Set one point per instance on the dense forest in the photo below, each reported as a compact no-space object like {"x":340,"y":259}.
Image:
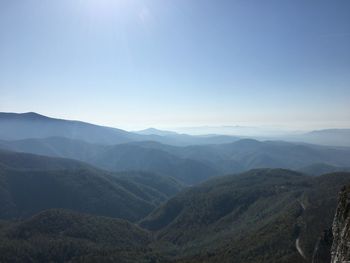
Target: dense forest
{"x":69,"y":200}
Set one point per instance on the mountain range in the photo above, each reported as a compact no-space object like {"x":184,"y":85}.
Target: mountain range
{"x":75,"y":192}
{"x":262,"y":215}
{"x":17,"y":126}
{"x":191,"y":164}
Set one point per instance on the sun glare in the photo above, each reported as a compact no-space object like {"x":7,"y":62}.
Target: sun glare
{"x":106,"y":8}
{"x":122,"y":10}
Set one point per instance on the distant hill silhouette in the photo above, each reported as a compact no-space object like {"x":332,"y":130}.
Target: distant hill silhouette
{"x":14,"y":126}
{"x":190,"y":164}
{"x":120,"y":157}
{"x":153,"y":131}
{"x":247,"y":154}
{"x":17,"y":126}
{"x":332,"y":137}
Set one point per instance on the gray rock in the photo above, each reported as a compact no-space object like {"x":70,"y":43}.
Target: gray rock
{"x":341,"y":229}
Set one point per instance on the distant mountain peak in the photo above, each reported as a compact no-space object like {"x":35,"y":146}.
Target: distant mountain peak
{"x":17,"y":126}
{"x":154,"y":131}
{"x":34,"y":115}
{"x":25,"y":115}
{"x":247,"y":141}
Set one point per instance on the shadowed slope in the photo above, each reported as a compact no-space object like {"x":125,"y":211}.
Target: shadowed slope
{"x":30,"y":183}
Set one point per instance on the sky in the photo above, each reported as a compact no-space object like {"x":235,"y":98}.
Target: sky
{"x":180,"y":63}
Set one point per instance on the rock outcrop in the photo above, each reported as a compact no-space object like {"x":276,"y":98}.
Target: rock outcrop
{"x":341,"y":229}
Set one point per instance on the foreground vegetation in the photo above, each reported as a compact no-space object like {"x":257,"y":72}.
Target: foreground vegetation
{"x":252,"y":217}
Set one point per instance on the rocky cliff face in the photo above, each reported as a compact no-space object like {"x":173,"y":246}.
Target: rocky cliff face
{"x":341,"y":229}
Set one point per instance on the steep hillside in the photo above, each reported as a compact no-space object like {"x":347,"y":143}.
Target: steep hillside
{"x":27,"y":187}
{"x":55,"y":147}
{"x":264,"y":215}
{"x":25,"y":161}
{"x":66,"y":236}
{"x":259,"y":216}
{"x":320,"y":203}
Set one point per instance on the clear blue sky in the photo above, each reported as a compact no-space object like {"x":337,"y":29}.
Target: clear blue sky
{"x":162,"y":63}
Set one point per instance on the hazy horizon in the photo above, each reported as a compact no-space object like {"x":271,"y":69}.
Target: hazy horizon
{"x":244,"y":130}
{"x":165,"y":64}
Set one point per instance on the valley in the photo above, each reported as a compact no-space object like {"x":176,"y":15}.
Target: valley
{"x":144,"y":201}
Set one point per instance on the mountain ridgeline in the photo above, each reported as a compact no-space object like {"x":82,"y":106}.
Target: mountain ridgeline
{"x":30,"y":184}
{"x":17,"y":126}
{"x":145,"y":151}
{"x":191,"y":164}
{"x":76,"y":192}
{"x":32,"y":125}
